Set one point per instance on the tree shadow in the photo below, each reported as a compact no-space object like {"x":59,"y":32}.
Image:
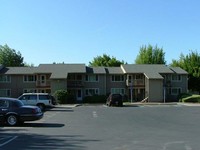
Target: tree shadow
{"x":37,"y":125}
{"x":62,"y":109}
{"x":34,"y":141}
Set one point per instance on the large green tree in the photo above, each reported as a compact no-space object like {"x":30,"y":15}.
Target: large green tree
{"x":105,"y":61}
{"x":9,"y":57}
{"x":190,"y":63}
{"x":150,"y":55}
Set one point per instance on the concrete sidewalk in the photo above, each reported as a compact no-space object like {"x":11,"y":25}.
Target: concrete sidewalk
{"x":67,"y":105}
{"x":161,"y":104}
{"x":135,"y":104}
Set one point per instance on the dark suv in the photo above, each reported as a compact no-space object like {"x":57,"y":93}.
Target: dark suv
{"x":115,"y":100}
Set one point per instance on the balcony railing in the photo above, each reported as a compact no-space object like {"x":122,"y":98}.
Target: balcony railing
{"x":135,"y":82}
{"x":43,"y":83}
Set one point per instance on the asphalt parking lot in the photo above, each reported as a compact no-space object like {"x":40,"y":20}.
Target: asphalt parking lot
{"x":149,"y":127}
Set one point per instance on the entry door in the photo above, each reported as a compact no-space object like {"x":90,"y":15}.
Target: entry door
{"x":79,"y":95}
{"x":42,"y":80}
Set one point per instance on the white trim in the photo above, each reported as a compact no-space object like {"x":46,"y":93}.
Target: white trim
{"x":96,"y":91}
{"x":121,"y":76}
{"x":92,"y":76}
{"x":27,"y":76}
{"x":6,"y":92}
{"x":177,"y":76}
{"x":6,"y":78}
{"x":177,"y":88}
{"x":113,"y":91}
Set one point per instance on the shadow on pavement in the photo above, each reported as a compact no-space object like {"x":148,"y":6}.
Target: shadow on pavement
{"x":37,"y":125}
{"x":34,"y":141}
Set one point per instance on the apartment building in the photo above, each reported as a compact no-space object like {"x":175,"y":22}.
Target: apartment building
{"x":157,"y":83}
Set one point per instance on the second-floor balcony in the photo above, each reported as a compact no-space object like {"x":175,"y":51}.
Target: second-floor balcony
{"x":43,"y":83}
{"x":135,"y":82}
{"x":75,"y":84}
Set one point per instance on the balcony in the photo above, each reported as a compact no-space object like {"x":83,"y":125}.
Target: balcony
{"x":43,"y":83}
{"x":135,"y":83}
{"x":75,"y":84}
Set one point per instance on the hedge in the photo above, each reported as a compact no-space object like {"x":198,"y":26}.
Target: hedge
{"x":63,"y":97}
{"x":95,"y":99}
{"x":192,"y":99}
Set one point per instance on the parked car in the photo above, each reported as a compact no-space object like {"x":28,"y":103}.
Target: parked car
{"x":13,"y":112}
{"x":41,"y":100}
{"x":115,"y":100}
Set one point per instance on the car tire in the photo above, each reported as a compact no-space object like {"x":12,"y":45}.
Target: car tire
{"x":12,"y":120}
{"x":41,"y":106}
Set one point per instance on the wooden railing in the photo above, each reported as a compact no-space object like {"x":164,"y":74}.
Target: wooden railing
{"x":135,"y":82}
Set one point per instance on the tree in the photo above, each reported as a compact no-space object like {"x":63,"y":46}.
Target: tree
{"x":9,"y":57}
{"x":190,"y":63}
{"x":150,"y":55}
{"x":105,"y":61}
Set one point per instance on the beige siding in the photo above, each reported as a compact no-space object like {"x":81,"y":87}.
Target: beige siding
{"x":101,"y":84}
{"x":17,"y":85}
{"x":58,"y":85}
{"x":110,"y":84}
{"x":155,"y":90}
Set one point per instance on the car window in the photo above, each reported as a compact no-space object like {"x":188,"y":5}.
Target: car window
{"x":44,"y":97}
{"x":17,"y":104}
{"x":4,"y":104}
{"x":33,"y":97}
{"x":24,"y":97}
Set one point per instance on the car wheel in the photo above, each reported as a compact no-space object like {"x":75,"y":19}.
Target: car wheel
{"x":41,"y":106}
{"x":12,"y":120}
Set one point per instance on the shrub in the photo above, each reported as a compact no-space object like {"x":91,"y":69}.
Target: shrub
{"x":61,"y":96}
{"x":192,"y":99}
{"x":183,"y":95}
{"x":95,"y":99}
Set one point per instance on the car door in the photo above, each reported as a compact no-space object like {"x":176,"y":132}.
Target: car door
{"x":4,"y":106}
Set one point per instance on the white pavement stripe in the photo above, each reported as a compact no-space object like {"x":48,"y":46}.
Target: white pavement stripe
{"x":8,"y":141}
{"x":94,"y":114}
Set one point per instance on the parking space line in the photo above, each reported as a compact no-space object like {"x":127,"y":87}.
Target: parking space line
{"x":10,"y":139}
{"x":94,"y":114}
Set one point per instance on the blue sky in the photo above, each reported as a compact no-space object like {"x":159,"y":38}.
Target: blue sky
{"x":76,"y":31}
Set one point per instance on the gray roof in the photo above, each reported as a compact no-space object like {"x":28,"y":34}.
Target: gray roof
{"x":18,"y":70}
{"x":114,"y":70}
{"x":96,"y":70}
{"x":60,"y":71}
{"x":178,"y":70}
{"x":152,"y":71}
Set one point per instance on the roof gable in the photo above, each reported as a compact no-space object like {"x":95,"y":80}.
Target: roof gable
{"x":96,"y":70}
{"x":152,"y":71}
{"x":178,"y":70}
{"x":60,"y":71}
{"x":114,"y":70}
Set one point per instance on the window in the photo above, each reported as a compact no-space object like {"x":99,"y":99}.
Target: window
{"x":117,"y":78}
{"x":29,"y":78}
{"x":4,"y":104}
{"x":44,"y":97}
{"x":139,"y":76}
{"x":92,"y":78}
{"x":176,"y":77}
{"x":32,"y":97}
{"x":4,"y":78}
{"x":176,"y":91}
{"x":79,"y":77}
{"x":118,"y":91}
{"x":5,"y":93}
{"x":91,"y":92}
